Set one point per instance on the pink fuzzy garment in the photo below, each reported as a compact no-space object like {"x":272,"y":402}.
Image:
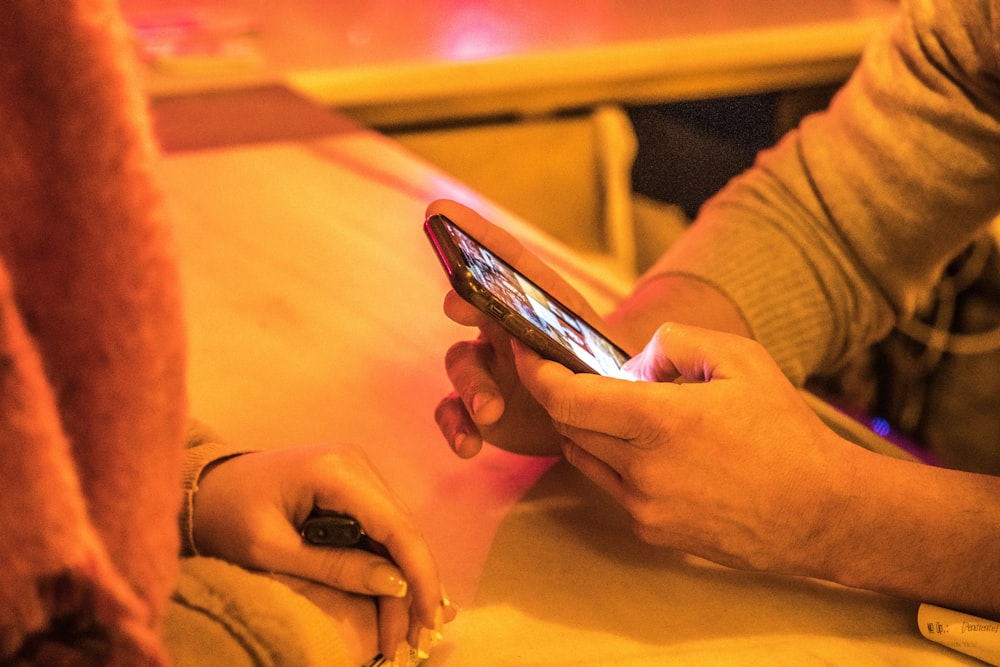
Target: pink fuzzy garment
{"x":92,"y":408}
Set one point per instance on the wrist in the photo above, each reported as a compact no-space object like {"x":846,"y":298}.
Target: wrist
{"x":910,"y":530}
{"x":664,"y":297}
{"x":841,"y":495}
{"x":199,"y":460}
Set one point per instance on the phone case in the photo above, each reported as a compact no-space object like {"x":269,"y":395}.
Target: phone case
{"x":464,"y":282}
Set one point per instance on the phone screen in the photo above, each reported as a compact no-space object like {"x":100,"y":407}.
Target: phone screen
{"x":522,"y":307}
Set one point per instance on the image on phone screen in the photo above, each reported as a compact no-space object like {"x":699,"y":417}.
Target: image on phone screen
{"x":521,"y":306}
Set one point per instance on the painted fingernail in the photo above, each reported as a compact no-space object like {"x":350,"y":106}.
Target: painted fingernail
{"x":426,"y":641}
{"x":384,"y":579}
{"x":402,"y":656}
{"x":406,"y":656}
{"x":438,"y":623}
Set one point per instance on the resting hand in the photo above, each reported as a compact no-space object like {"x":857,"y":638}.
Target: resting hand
{"x":729,"y":465}
{"x":489,"y":402}
{"x":247,"y":510}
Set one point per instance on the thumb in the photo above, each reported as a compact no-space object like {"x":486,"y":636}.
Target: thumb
{"x":678,"y":352}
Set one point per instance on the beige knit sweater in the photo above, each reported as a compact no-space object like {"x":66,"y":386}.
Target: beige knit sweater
{"x":840,"y":230}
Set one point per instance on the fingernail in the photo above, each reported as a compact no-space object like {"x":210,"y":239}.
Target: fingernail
{"x":448,"y":606}
{"x":632,"y":369}
{"x":428,"y":638}
{"x":402,"y":656}
{"x":479,"y":400}
{"x":437,"y":631}
{"x":458,"y":439}
{"x":426,"y":641}
{"x":406,"y":656}
{"x":384,"y":579}
{"x":452,"y":607}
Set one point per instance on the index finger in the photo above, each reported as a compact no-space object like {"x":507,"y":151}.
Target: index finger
{"x":387,"y":521}
{"x":586,"y":401}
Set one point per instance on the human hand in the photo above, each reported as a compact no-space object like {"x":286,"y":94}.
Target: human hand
{"x":489,"y":402}
{"x":729,"y":464}
{"x":247,"y":510}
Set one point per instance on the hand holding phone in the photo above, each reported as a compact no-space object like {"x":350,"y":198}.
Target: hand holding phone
{"x":521,"y":307}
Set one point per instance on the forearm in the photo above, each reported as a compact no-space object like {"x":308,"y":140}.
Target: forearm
{"x":910,"y":530}
{"x":673,"y":298}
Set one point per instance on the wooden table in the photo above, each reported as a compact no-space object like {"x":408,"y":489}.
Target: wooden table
{"x":391,"y":62}
{"x":314,"y":310}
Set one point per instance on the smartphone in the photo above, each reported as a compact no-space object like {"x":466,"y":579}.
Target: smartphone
{"x":522,"y":308}
{"x":325,"y":528}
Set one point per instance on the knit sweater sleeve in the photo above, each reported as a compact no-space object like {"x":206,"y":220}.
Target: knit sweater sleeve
{"x":204,"y":448}
{"x":838,"y":231}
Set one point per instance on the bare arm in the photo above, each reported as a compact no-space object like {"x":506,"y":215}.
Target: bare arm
{"x":919,"y":532}
{"x":673,"y":298}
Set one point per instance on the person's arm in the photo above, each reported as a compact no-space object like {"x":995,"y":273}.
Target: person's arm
{"x":837,"y":232}
{"x":245,"y":507}
{"x":916,"y":531}
{"x":673,"y":297}
{"x":821,"y":247}
{"x":734,"y":466}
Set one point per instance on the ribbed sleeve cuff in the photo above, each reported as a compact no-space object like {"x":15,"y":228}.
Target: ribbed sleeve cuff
{"x":204,"y":449}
